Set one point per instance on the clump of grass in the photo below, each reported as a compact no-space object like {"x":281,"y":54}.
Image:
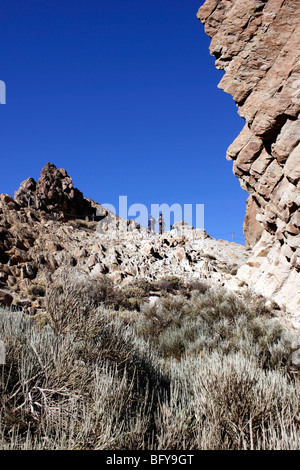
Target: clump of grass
{"x":198,"y":286}
{"x":209,"y":256}
{"x":169,"y":284}
{"x":36,"y":290}
{"x":83,"y":224}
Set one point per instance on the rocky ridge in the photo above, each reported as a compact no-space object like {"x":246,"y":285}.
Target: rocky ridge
{"x":256,"y":44}
{"x":54,"y":193}
{"x":38,"y":244}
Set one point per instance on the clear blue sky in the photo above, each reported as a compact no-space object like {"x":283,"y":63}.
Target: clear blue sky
{"x":123,"y":95}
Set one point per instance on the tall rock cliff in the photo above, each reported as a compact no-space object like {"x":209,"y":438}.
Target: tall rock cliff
{"x":257,"y":44}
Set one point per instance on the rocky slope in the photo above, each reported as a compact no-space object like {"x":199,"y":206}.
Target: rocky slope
{"x":39,"y":243}
{"x":256,"y":43}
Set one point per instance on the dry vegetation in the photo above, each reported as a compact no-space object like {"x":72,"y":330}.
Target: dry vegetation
{"x":196,"y":369}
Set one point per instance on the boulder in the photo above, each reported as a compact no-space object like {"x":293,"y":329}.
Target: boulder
{"x":295,"y":359}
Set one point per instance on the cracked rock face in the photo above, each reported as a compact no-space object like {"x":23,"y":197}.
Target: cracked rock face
{"x":256,"y":43}
{"x":53,"y":193}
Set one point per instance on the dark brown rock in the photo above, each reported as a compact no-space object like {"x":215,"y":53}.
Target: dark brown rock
{"x":54,"y":193}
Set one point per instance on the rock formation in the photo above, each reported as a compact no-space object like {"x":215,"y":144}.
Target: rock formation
{"x":38,"y":244}
{"x":54,"y":193}
{"x":256,"y":43}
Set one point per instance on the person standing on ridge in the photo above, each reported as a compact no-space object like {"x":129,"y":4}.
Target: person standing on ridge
{"x":161,"y":223}
{"x":151,"y":224}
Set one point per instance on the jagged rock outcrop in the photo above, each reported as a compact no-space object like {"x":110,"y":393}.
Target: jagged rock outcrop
{"x":257,"y":44}
{"x":54,"y":193}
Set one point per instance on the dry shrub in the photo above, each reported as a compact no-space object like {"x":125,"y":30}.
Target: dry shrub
{"x":203,"y":372}
{"x":169,"y":284}
{"x":198,"y":286}
{"x":239,"y":401}
{"x":175,"y":420}
{"x":215,"y":320}
{"x":220,"y":402}
{"x":36,"y":290}
{"x":53,"y":398}
{"x":83,"y":224}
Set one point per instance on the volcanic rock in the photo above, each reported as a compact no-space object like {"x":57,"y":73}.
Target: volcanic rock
{"x":54,"y":193}
{"x":256,"y":44}
{"x":40,"y":243}
{"x":37,"y":248}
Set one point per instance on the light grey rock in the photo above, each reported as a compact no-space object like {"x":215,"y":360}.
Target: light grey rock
{"x":295,"y":359}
